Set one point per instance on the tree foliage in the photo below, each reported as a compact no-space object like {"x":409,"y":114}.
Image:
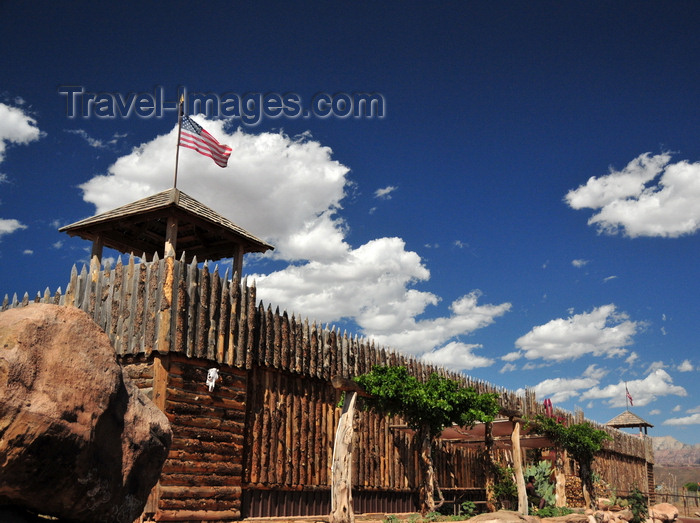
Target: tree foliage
{"x":581,"y":440}
{"x":437,"y":403}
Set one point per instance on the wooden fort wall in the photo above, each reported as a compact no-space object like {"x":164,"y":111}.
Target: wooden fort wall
{"x":261,"y":443}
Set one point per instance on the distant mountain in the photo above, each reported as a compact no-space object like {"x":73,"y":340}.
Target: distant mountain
{"x":669,"y":451}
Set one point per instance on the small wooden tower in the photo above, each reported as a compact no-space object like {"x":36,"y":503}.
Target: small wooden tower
{"x":629,"y":419}
{"x":167,"y":223}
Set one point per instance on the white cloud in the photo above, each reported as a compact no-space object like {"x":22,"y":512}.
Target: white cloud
{"x":694,"y":410}
{"x":608,"y":278}
{"x":457,"y":356}
{"x":288,"y":191}
{"x":28,"y":252}
{"x":17,"y":127}
{"x":561,"y":389}
{"x":299,"y":183}
{"x":579,"y":263}
{"x":508,"y":367}
{"x":693,"y":419}
{"x":654,"y":412}
{"x":686,"y":366}
{"x":654,"y":366}
{"x":8,"y":226}
{"x":385,"y":193}
{"x":649,"y":197}
{"x":601,"y":332}
{"x":593,"y":371}
{"x":677,"y":408}
{"x":94,"y":142}
{"x":643,"y":392}
{"x":633,"y":357}
{"x":512,"y":356}
{"x":416,"y":336}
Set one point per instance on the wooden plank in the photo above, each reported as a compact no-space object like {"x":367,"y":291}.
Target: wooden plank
{"x":222,"y":340}
{"x":191,"y":492}
{"x":202,"y":318}
{"x":214,"y":312}
{"x":265,"y":435}
{"x":251,"y":325}
{"x":234,"y":309}
{"x":151,"y":299}
{"x":289,"y":429}
{"x":281,"y":415}
{"x":297,"y":430}
{"x":241,"y":343}
{"x":165,"y":307}
{"x":285,"y":342}
{"x":200,"y":515}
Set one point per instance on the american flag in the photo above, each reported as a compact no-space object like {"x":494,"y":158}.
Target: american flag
{"x":629,"y":396}
{"x":193,"y":136}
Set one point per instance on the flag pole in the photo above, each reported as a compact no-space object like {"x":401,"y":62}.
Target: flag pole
{"x":179,"y":132}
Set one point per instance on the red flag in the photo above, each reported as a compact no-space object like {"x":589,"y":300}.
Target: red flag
{"x":629,"y":396}
{"x":193,"y":136}
{"x":549,"y":411}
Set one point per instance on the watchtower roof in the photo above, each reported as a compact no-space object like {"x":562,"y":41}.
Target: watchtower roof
{"x":627,"y":420}
{"x":140,"y":227}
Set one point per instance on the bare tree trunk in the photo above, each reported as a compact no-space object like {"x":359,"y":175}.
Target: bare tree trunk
{"x":518,"y":469}
{"x":427,"y":497}
{"x":586,"y":483}
{"x":489,"y":468}
{"x":341,"y":490}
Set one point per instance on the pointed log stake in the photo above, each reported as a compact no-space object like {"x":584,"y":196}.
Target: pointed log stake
{"x":341,"y":490}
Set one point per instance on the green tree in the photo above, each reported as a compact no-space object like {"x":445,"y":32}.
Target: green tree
{"x":692,"y":486}
{"x":427,"y":407}
{"x":580,"y":440}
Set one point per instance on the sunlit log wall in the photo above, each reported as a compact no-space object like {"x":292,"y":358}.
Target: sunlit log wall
{"x":261,"y":443}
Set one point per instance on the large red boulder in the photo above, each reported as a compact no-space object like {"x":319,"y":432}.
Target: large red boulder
{"x":78,"y":440}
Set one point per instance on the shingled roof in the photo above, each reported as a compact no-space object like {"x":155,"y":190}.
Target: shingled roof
{"x":140,"y":227}
{"x":628,"y":419}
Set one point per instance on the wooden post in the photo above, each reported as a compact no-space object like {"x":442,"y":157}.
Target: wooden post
{"x":518,"y":468}
{"x":238,"y":262}
{"x":170,"y":237}
{"x":97,"y":246}
{"x":341,"y":489}
{"x":161,"y":365}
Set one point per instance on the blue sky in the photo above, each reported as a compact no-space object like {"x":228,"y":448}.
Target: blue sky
{"x":525,"y":209}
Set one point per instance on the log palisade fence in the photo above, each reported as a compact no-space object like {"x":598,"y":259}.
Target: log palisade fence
{"x":260,"y":444}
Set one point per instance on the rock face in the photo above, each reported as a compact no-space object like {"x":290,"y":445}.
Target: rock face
{"x":78,"y":440}
{"x":670,"y":451}
{"x":663,"y":512}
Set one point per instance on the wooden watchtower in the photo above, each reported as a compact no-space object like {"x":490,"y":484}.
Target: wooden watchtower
{"x":168,"y":333}
{"x":629,"y":419}
{"x":168,"y":223}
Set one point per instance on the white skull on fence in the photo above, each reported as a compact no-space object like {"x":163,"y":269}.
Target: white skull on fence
{"x":212,"y":376}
